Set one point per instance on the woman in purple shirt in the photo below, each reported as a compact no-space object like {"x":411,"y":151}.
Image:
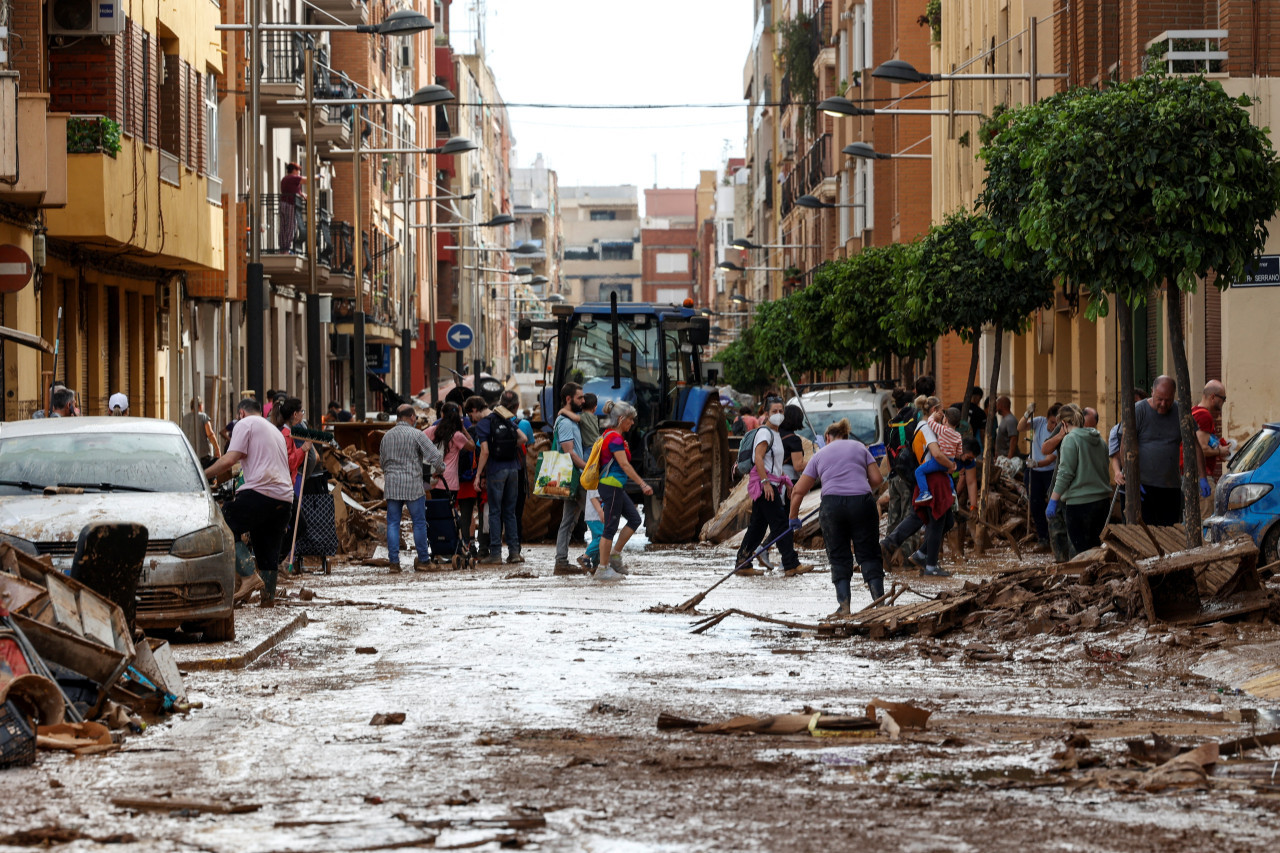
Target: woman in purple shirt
{"x":848,"y":474}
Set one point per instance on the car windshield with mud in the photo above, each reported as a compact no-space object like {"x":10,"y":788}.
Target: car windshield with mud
{"x":60,"y":474}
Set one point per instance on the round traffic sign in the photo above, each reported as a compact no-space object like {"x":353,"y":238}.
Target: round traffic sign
{"x":15,"y":268}
{"x":460,"y":336}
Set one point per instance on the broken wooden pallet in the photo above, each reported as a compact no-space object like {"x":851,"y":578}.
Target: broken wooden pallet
{"x":1171,"y":583}
{"x":925,"y":618}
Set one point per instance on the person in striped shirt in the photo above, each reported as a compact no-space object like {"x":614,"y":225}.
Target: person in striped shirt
{"x":403,"y":452}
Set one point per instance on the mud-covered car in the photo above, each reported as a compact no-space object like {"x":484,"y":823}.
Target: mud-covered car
{"x":131,"y":470}
{"x":1246,"y":500}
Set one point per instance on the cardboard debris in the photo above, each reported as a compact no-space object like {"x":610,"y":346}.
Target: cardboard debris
{"x":814,"y":723}
{"x":902,"y":714}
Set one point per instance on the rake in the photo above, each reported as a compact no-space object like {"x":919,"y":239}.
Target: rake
{"x":697,"y":599}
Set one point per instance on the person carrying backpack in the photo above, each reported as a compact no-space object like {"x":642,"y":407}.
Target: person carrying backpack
{"x":499,"y":469}
{"x":768,"y":487}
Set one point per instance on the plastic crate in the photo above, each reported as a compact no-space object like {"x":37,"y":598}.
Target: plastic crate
{"x":17,"y":738}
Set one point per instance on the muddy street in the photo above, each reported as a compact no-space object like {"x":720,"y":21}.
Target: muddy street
{"x":530,"y":705}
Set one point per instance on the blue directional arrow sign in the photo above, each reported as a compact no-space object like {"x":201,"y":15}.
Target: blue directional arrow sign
{"x":460,"y":336}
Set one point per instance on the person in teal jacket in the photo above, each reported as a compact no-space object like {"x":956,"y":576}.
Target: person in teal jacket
{"x":1082,"y":485}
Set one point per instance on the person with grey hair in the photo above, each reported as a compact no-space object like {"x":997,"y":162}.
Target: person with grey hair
{"x":1160,"y":455}
{"x":405,"y":453}
{"x":615,"y":472}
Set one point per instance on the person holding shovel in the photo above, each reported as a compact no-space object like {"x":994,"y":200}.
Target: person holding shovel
{"x":849,"y":475}
{"x":614,"y":475}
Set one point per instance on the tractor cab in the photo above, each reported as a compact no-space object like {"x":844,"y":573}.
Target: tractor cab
{"x":649,"y":356}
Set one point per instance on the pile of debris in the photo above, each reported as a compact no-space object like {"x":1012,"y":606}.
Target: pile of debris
{"x":74,"y":674}
{"x":1138,"y":573}
{"x":358,"y":499}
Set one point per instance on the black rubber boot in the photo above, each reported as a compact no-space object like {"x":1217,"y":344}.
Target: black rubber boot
{"x":876,"y":588}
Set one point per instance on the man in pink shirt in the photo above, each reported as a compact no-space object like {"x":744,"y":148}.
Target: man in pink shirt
{"x":264,"y":504}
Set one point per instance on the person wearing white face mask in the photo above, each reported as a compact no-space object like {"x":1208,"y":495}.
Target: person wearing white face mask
{"x":768,"y":486}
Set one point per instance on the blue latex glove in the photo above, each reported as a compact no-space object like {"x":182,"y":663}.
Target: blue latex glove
{"x":1205,"y":490}
{"x":795,"y":524}
{"x":1051,"y":510}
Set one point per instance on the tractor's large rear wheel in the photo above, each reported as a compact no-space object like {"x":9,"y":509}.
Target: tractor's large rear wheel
{"x":673,"y":516}
{"x":541,"y":517}
{"x":713,"y":436}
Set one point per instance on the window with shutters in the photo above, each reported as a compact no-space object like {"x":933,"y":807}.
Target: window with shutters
{"x":211,"y":125}
{"x":671,"y":262}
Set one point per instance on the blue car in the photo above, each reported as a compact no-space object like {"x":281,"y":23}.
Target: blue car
{"x":1246,"y":501}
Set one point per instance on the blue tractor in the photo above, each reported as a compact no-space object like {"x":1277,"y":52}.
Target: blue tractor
{"x":649,"y":356}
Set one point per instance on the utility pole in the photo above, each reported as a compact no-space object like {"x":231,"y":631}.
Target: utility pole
{"x":315,"y":357}
{"x":255,"y":296}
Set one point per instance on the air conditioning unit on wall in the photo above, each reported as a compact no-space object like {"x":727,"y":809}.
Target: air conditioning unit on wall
{"x":85,"y":17}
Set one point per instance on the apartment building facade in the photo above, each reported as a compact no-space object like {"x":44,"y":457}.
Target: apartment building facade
{"x":602,"y":243}
{"x":115,"y":194}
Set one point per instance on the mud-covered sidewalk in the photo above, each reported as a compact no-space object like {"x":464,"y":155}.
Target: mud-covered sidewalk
{"x":531,"y":703}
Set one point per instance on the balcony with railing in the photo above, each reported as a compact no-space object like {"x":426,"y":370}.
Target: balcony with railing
{"x":338,"y":254}
{"x":810,"y":171}
{"x":282,"y":233}
{"x":282,"y":67}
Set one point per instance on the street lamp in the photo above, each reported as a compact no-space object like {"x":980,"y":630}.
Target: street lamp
{"x":814,"y":203}
{"x":501,"y":220}
{"x":403,"y":22}
{"x":864,"y":151}
{"x":745,"y":244}
{"x":730,"y":265}
{"x":837,"y":107}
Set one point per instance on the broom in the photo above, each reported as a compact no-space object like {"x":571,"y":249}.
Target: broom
{"x":315,"y":436}
{"x":697,"y":599}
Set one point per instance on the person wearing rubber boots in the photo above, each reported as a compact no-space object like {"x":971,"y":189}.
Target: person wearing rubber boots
{"x":263,"y":505}
{"x":849,"y":475}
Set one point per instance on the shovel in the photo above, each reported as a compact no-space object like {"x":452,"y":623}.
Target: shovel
{"x":697,"y":599}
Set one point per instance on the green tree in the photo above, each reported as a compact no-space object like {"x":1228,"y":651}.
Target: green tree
{"x":860,"y":300}
{"x":741,"y":368}
{"x":1156,"y":180}
{"x":956,"y":286}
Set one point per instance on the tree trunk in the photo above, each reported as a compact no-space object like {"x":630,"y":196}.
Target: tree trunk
{"x":989,"y":456}
{"x":1133,"y":486}
{"x":973,"y":376}
{"x":1190,"y":467}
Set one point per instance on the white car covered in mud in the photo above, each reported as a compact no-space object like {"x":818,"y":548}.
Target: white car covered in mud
{"x":130,"y":470}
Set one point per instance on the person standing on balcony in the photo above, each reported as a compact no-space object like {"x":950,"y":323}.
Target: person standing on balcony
{"x":290,"y":192}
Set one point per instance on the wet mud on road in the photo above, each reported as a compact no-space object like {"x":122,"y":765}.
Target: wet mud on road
{"x":530,"y":708}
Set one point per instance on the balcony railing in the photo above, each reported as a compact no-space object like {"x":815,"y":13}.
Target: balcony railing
{"x":283,"y":229}
{"x":341,"y":249}
{"x":820,"y":35}
{"x":283,"y":58}
{"x":813,"y":168}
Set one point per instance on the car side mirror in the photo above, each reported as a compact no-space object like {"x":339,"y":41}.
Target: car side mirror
{"x":524,"y":329}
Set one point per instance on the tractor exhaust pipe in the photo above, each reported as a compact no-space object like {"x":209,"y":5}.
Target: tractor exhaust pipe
{"x":617,"y":345}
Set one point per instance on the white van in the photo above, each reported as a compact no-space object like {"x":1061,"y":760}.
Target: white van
{"x":869,"y":413}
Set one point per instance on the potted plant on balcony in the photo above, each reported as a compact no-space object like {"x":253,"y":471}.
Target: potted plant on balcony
{"x":791,"y":276}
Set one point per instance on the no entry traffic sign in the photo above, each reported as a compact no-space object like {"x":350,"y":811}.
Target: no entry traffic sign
{"x":15,"y":268}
